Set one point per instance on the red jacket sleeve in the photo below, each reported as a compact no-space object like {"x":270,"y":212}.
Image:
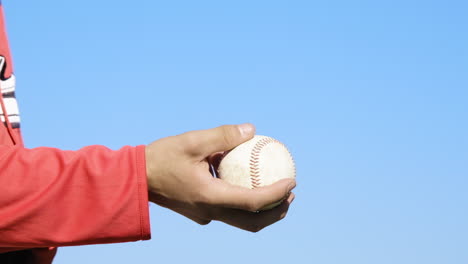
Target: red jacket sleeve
{"x":50,"y":197}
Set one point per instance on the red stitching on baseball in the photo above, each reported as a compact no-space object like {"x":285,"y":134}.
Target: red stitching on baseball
{"x":255,"y":160}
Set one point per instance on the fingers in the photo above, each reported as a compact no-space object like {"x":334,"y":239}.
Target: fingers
{"x":203,"y":143}
{"x":226,"y":195}
{"x":255,"y":222}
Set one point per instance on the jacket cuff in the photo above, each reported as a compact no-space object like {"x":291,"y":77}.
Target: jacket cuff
{"x":143,"y":193}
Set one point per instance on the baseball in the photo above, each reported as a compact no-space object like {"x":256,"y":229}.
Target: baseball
{"x":258,"y":162}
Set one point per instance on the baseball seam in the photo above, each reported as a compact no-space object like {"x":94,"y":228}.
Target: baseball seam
{"x":255,"y":178}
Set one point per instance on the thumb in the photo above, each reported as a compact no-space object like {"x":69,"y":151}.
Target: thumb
{"x":206,"y":142}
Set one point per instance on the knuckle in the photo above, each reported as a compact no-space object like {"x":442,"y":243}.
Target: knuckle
{"x":255,"y":228}
{"x":210,"y":214}
{"x":204,"y":222}
{"x":207,"y":209}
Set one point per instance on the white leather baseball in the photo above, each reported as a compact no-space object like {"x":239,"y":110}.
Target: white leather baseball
{"x":258,"y":162}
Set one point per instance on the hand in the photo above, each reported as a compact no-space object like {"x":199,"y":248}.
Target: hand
{"x":179,"y":178}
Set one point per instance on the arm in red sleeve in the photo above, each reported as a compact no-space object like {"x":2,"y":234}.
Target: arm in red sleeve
{"x":50,"y":197}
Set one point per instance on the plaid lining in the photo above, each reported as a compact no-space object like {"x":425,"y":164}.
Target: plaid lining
{"x":9,"y":99}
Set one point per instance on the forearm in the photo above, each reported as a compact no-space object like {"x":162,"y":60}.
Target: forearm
{"x":50,"y":197}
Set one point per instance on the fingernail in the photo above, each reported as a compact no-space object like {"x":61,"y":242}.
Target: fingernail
{"x":246,"y":129}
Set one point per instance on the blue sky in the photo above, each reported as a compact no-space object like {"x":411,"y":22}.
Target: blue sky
{"x":370,"y":97}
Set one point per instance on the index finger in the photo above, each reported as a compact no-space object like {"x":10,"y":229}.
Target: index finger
{"x":254,"y":222}
{"x":227,"y":195}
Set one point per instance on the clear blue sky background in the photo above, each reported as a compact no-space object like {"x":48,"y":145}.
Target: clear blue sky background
{"x":370,"y":96}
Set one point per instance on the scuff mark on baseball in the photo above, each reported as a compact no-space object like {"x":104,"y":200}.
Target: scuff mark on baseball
{"x":258,"y":162}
